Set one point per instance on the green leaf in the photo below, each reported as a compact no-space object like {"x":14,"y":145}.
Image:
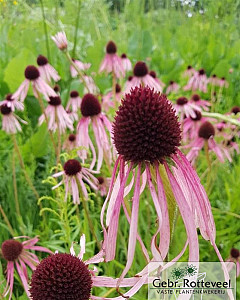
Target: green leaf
{"x":222,"y":68}
{"x":14,"y":71}
{"x":38,"y":143}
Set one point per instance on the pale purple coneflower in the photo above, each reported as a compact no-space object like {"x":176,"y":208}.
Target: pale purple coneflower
{"x":206,"y":134}
{"x":91,"y":114}
{"x":32,"y":76}
{"x":214,"y":80}
{"x":198,"y":81}
{"x":225,"y":130}
{"x":74,"y":175}
{"x":229,"y":148}
{"x":223,"y":82}
{"x":12,"y":103}
{"x":191,"y":126}
{"x":74,"y":102}
{"x":72,"y":115}
{"x":234,"y":258}
{"x":154,"y":76}
{"x":185,"y":108}
{"x":127,"y":65}
{"x":10,"y":123}
{"x":70,"y":142}
{"x":189,"y":72}
{"x":71,"y":277}
{"x":47,"y":71}
{"x":107,"y":100}
{"x":60,"y":40}
{"x":141,"y":77}
{"x":57,"y":116}
{"x":146,"y":118}
{"x":19,"y":257}
{"x":103,"y":185}
{"x":81,"y":66}
{"x":112,"y":63}
{"x":235,"y":110}
{"x":173,"y":87}
{"x":57,"y":89}
{"x":203,"y":104}
{"x":91,"y":86}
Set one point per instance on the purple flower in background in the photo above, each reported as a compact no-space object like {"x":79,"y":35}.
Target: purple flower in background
{"x":32,"y":76}
{"x":91,"y":114}
{"x":18,"y":256}
{"x":112,"y":63}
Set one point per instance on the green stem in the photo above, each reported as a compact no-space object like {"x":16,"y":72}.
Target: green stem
{"x":81,"y":75}
{"x":76,"y":28}
{"x":7,"y":221}
{"x":59,"y":140}
{"x":221,"y":117}
{"x":45,"y":30}
{"x":15,"y":187}
{"x":114,"y":89}
{"x":85,"y":207}
{"x":226,"y":212}
{"x":46,"y":118}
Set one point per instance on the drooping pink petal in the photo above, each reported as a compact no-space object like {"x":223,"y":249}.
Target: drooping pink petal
{"x":113,"y":225}
{"x":133,"y":225}
{"x":188,"y":220}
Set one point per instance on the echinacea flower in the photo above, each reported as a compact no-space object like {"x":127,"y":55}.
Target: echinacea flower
{"x":70,"y":142}
{"x":127,"y":65}
{"x":189,"y":72}
{"x":234,"y":258}
{"x":147,"y":135}
{"x":74,"y":102}
{"x":91,"y":86}
{"x":18,"y":256}
{"x":185,"y":108}
{"x":223,"y":82}
{"x":199,"y":102}
{"x":57,"y":116}
{"x":47,"y":71}
{"x":198,"y":81}
{"x":154,"y":75}
{"x":10,"y":123}
{"x":107,"y":100}
{"x":91,"y":114}
{"x":205,"y":136}
{"x":60,"y":277}
{"x":112,"y":63}
{"x":81,"y":66}
{"x":214,"y":80}
{"x":12,"y":103}
{"x":229,"y":148}
{"x":103,"y":185}
{"x":63,"y":276}
{"x":191,"y":126}
{"x":235,"y":110}
{"x":142,"y":77}
{"x":57,"y":89}
{"x":74,"y":175}
{"x":173,"y":87}
{"x":32,"y":76}
{"x":60,"y":40}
